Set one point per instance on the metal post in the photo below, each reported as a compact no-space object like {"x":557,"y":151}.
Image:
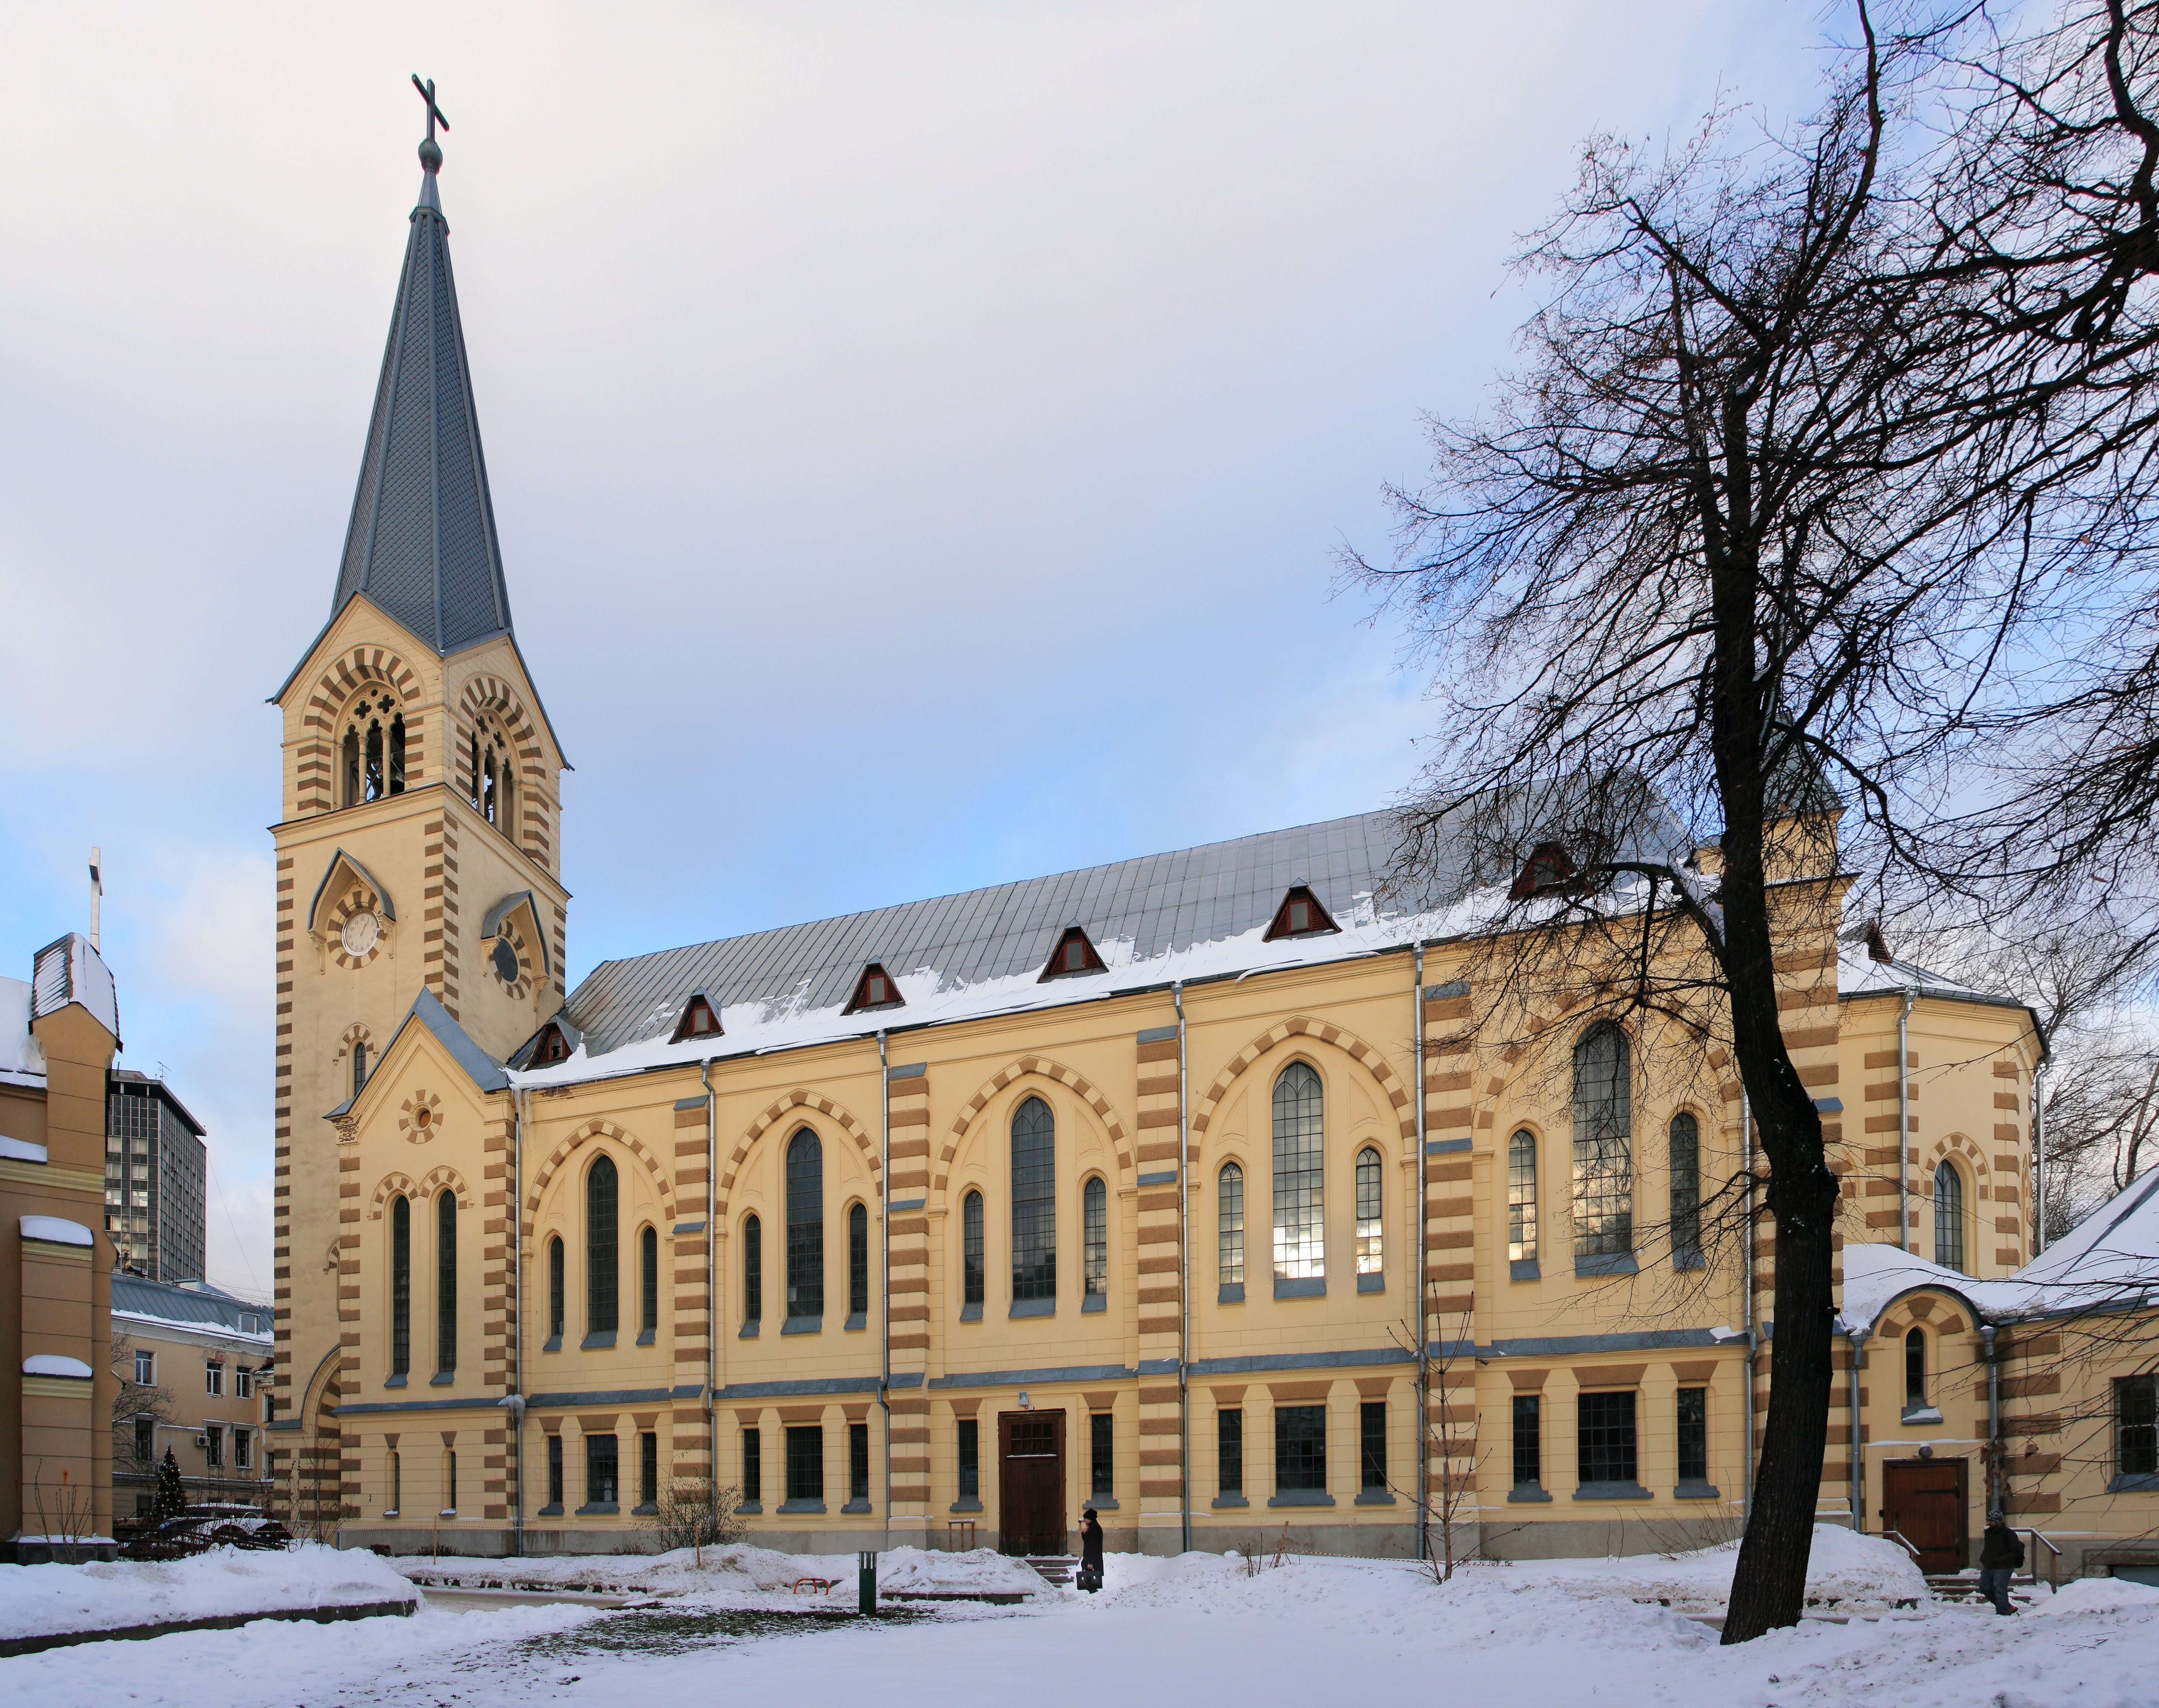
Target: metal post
{"x":1858,"y":1480}
{"x":1904,"y":1124}
{"x":865,"y":1582}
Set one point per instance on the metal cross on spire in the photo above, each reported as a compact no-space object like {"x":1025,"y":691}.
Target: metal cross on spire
{"x":430,"y":153}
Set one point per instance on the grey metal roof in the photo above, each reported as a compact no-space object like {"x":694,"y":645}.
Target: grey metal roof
{"x":205,"y":1305}
{"x":421,"y":544}
{"x":1163,"y":901}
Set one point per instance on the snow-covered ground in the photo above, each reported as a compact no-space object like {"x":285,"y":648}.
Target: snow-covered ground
{"x":1200,"y":1628}
{"x":39,"y":1601}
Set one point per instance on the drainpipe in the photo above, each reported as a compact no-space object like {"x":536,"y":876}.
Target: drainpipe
{"x":712,"y":1280}
{"x":514,"y":1401}
{"x":1904,"y":1124}
{"x":2039,"y":1154}
{"x":884,"y":1300}
{"x":1747,"y":1302}
{"x":1858,"y":1479}
{"x":1993,"y":1422}
{"x":1415,"y":1246}
{"x":1184,"y":1288}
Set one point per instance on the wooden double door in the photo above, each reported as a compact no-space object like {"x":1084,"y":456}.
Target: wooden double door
{"x":1031,"y":1482}
{"x":1926,"y":1501}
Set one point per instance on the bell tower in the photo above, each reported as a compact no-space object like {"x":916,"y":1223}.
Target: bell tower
{"x":418,"y":846}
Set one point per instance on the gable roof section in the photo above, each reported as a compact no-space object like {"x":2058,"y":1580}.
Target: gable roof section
{"x":479,"y":1067}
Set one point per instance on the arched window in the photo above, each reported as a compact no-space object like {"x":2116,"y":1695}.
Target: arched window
{"x":1948,"y":1217}
{"x":1095,"y":1239}
{"x":556,"y":1285}
{"x":1603,"y":1148}
{"x":1522,"y":1197}
{"x":1686,"y":1192}
{"x":1370,"y":1219}
{"x":1034,"y":1201}
{"x":1230,"y":1226}
{"x":971,"y":1249}
{"x":753,"y":1270}
{"x":400,"y":1286}
{"x":506,"y":816}
{"x":602,"y":1281}
{"x":446,"y":1282}
{"x":475,"y":771}
{"x":647,"y":1290}
{"x":1915,"y":1369}
{"x":372,"y":787}
{"x":397,"y":754}
{"x":805,"y":1225}
{"x":350,"y":792}
{"x":858,"y":1261}
{"x":359,"y":1067}
{"x":1299,"y":1186}
{"x":487,"y":800}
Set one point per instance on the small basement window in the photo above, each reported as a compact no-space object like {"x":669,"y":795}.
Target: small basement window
{"x":1300,"y":915}
{"x":875,"y":989}
{"x":1073,"y":954}
{"x":1549,"y":865}
{"x":698,"y":1021}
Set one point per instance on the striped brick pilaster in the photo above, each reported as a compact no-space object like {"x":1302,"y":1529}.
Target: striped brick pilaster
{"x":907,"y":1290}
{"x":1159,"y":1279}
{"x":2009,"y":1216}
{"x":282,"y":1397}
{"x":498,"y":1302}
{"x":1449,"y":1282}
{"x":449,"y":939}
{"x":431,"y":896}
{"x":690,"y":1448}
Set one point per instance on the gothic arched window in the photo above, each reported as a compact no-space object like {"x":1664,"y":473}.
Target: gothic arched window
{"x":445,"y":1281}
{"x":359,"y":1067}
{"x":805,"y":1225}
{"x":349,"y":794}
{"x":1095,"y":1239}
{"x":1300,"y":1192}
{"x":400,"y":1286}
{"x":647,"y":1290}
{"x":556,"y":1284}
{"x":1948,"y":1217}
{"x":1033,"y":1201}
{"x":1230,"y":1226}
{"x":372,"y":787}
{"x":1370,"y":1216}
{"x":971,"y":1249}
{"x":1522,"y":1197}
{"x":1686,"y":1192}
{"x":752,"y":1271}
{"x":858,"y":1261}
{"x":602,"y":1281}
{"x":1604,"y":1146}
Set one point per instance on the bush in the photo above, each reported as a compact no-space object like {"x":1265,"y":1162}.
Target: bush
{"x":693,"y":1513}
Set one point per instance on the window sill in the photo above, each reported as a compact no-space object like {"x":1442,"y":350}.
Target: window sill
{"x":553,"y":1343}
{"x":393,"y":1513}
{"x":748,"y":1330}
{"x":646,"y":1509}
{"x":754,"y":1508}
{"x":1694,"y":1488}
{"x":2134,"y":1483}
{"x":1100,"y":1502}
{"x":1095,"y":1301}
{"x":1302,"y":1497}
{"x":1607,"y":1263}
{"x":1919,"y":1414}
{"x":1612,"y":1491}
{"x":1222,"y":1501}
{"x":598,"y":1506}
{"x":803,"y":1325}
{"x":599,"y":1338}
{"x":1689,"y":1259}
{"x":1033,"y":1307}
{"x":647,"y":1337}
{"x":395,"y":1382}
{"x":966,"y":1503}
{"x":1308,"y":1286}
{"x":447,"y":1512}
{"x":816,"y":1506}
{"x":1373,"y":1497}
{"x":1523,"y":1269}
{"x":857,"y":1322}
{"x":553,"y":1509}
{"x":860,"y":1505}
{"x":442,"y":1379}
{"x":1527,"y":1491}
{"x":971,"y":1313}
{"x":1371,"y":1283}
{"x":1230,"y":1293}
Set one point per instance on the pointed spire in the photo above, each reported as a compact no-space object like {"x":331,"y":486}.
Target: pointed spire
{"x":422,"y":543}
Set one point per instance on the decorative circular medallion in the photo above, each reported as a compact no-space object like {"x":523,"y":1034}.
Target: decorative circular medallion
{"x":362,"y":931}
{"x":420,"y":1117}
{"x":506,"y":961}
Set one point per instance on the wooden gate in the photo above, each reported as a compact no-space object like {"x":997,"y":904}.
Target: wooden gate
{"x":1031,"y":1482}
{"x":1927,"y":1502}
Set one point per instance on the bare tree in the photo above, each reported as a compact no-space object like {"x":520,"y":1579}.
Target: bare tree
{"x":135,"y":1400}
{"x":1447,"y":1411}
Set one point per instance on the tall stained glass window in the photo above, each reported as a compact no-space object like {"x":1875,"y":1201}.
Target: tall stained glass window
{"x":1034,"y":1201}
{"x":1299,"y":1187}
{"x":1603,"y":1149}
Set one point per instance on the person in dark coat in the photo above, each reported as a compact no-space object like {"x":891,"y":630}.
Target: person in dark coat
{"x":2000,"y":1552}
{"x":1090,"y":1551}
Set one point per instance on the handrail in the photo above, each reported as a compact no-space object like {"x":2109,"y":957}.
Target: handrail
{"x":1905,"y":1542}
{"x":2032,"y":1559}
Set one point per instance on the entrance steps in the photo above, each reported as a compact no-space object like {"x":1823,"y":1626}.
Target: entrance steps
{"x":1964,"y":1586}
{"x":1055,"y":1568}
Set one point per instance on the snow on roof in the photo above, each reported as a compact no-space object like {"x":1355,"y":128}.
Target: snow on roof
{"x":142,"y":1300}
{"x":1858,"y":973}
{"x":21,"y":1150}
{"x":68,"y":970}
{"x":53,"y":1231}
{"x":22,"y":1056}
{"x":51,"y":1363}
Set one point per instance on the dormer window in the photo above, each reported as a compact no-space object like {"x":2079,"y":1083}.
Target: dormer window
{"x":1300,"y":915}
{"x":1073,"y":954}
{"x":875,"y":989}
{"x":552,"y":1047}
{"x":1548,"y":866}
{"x":698,"y":1021}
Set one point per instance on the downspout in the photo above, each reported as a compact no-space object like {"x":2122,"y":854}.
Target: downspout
{"x":514,"y":1401}
{"x":2039,"y":1154}
{"x":1184,"y":1288}
{"x":712,"y":1280}
{"x":884,"y":1296}
{"x":1415,"y":1246}
{"x":1858,"y":1505}
{"x":1993,"y":1422}
{"x":1904,"y":1124}
{"x":1746,"y":1303}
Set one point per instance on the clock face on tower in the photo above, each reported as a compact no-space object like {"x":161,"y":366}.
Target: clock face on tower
{"x":360,"y":932}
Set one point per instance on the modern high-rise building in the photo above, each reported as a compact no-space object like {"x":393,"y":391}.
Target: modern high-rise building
{"x":157,"y":1171}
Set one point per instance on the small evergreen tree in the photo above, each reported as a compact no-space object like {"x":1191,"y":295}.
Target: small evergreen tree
{"x":171,"y":1501}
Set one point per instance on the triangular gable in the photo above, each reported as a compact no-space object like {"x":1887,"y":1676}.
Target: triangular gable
{"x":701,"y":1018}
{"x":428,"y":1013}
{"x":328,"y":890}
{"x":876,"y":989}
{"x":1300,"y":915}
{"x":1074,"y":954}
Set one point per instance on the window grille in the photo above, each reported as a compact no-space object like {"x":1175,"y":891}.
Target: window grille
{"x":1034,"y":1201}
{"x":555,"y":1288}
{"x":1605,"y":1440}
{"x":1229,"y":1449}
{"x":805,"y":1225}
{"x":400,"y":1286}
{"x":647,"y":1300}
{"x":858,"y":1462}
{"x":1299,"y":1189}
{"x":753,"y":1269}
{"x":1370,"y":1257}
{"x":648,"y":1468}
{"x":970,"y":1459}
{"x":1522,"y":1197}
{"x":601,"y":1279}
{"x":554,"y":1470}
{"x":805,"y":1462}
{"x":1095,"y":1239}
{"x":1948,"y":1217}
{"x":858,"y":1261}
{"x":1529,"y":1442}
{"x":1604,"y":1156}
{"x":1686,"y":1192}
{"x":971,"y":1248}
{"x":1372,"y":1443}
{"x":1915,"y":1367}
{"x":1229,"y":1225}
{"x":753,"y":1466}
{"x":600,"y":1484}
{"x":1300,"y":1448}
{"x":1102,"y":1455}
{"x":445,"y":1281}
{"x":2136,"y":1426}
{"x":1694,"y":1435}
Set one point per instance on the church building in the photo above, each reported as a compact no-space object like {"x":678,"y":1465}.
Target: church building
{"x":1201,"y":1188}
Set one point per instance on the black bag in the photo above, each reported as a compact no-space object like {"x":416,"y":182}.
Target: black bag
{"x":1089,"y":1579}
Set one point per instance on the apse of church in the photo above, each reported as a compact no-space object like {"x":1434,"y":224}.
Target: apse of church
{"x":1202,"y":1188}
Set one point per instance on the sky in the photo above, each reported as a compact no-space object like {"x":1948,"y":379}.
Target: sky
{"x":920,"y":434}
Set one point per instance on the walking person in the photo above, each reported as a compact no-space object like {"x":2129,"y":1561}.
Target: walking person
{"x":2000,"y":1552}
{"x":1090,"y":1551}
